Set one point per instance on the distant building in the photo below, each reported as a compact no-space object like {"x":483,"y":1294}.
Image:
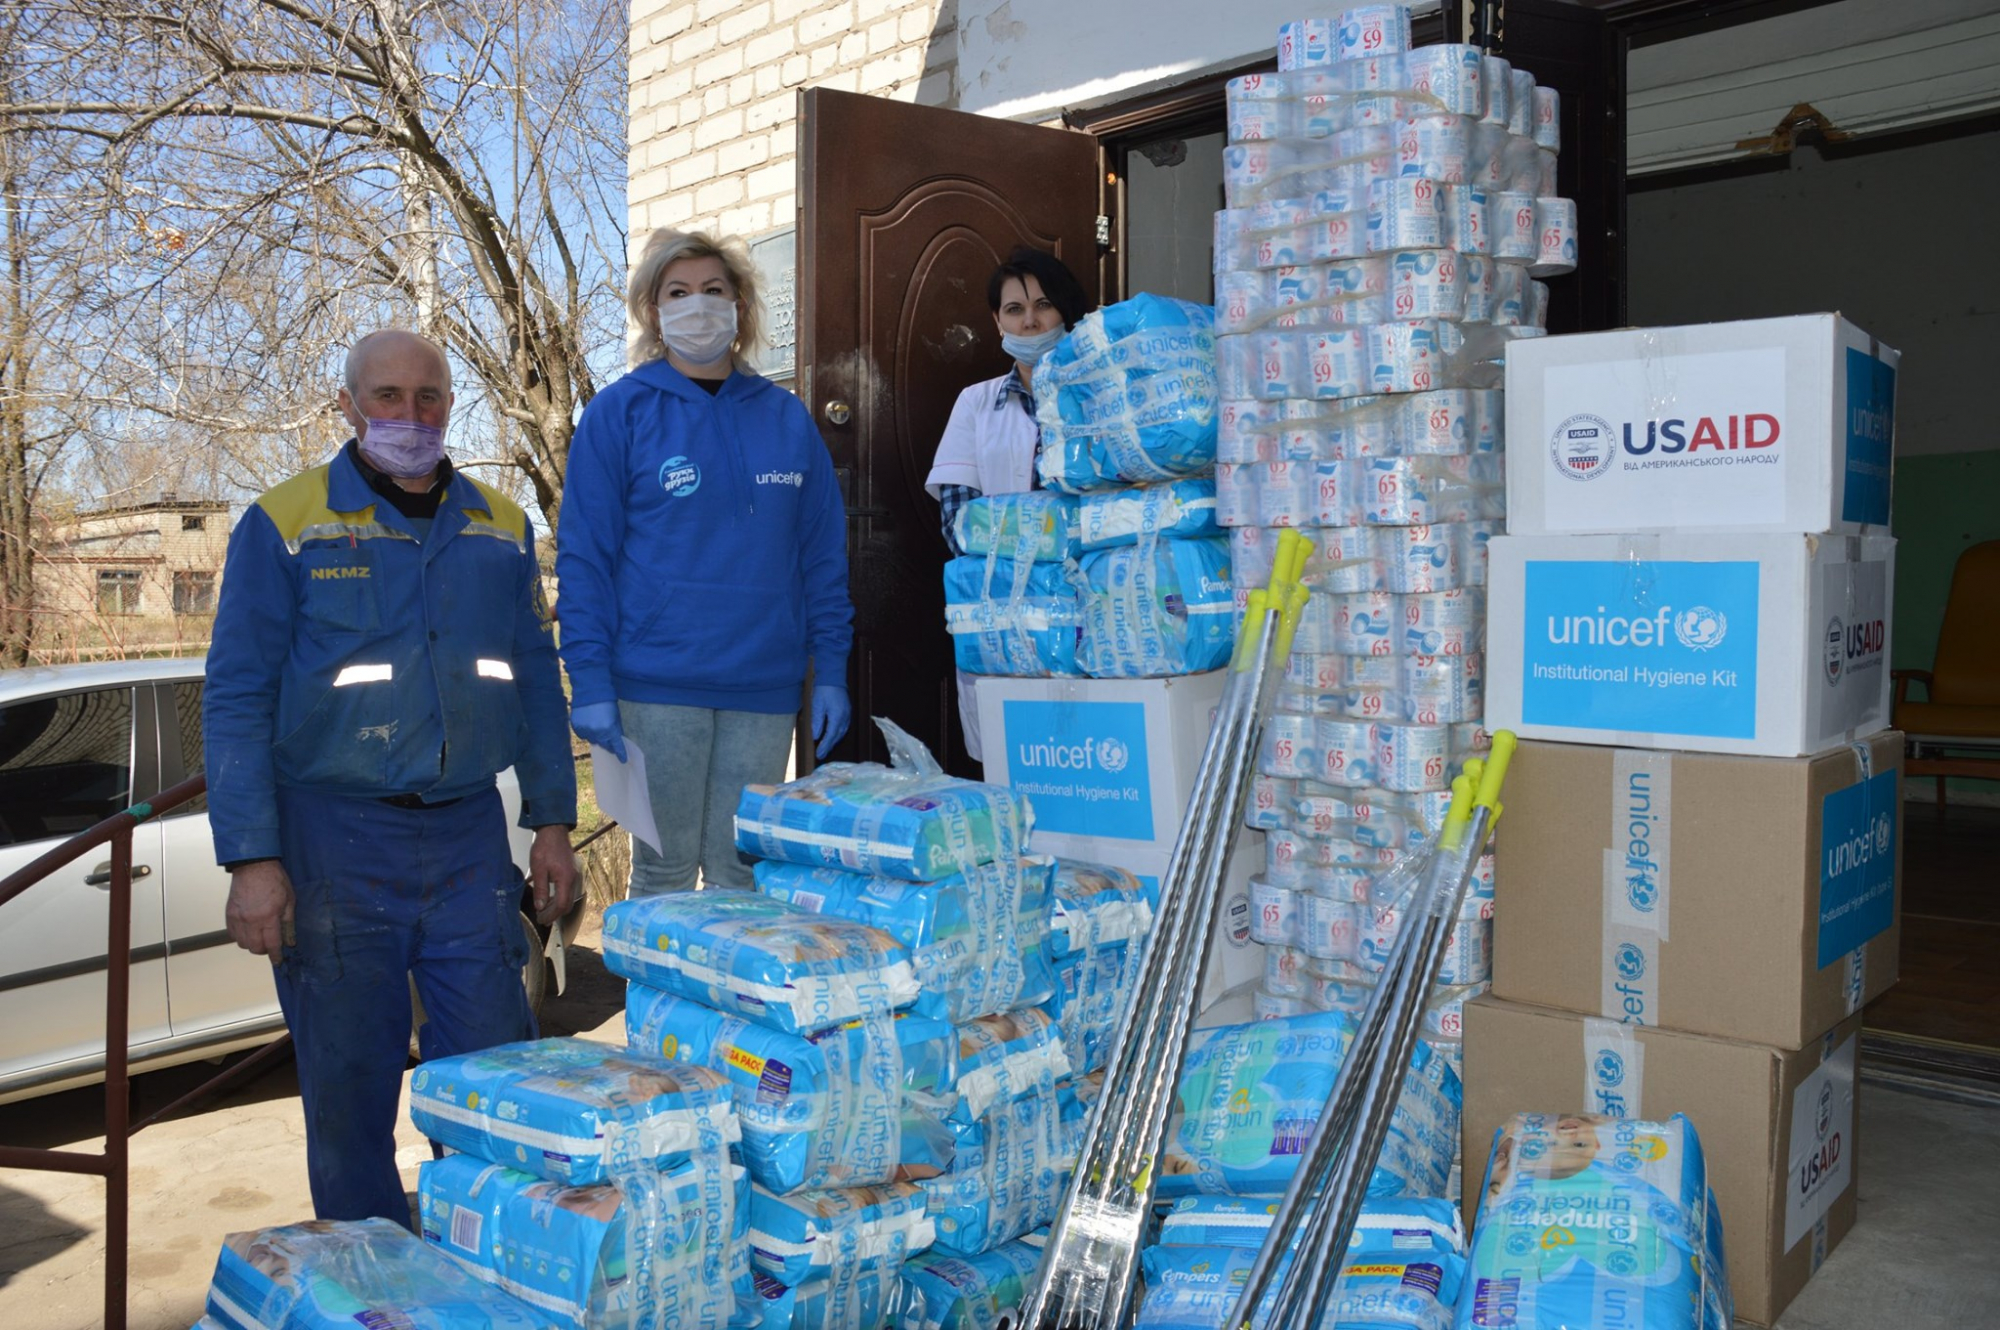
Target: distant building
{"x":134,"y":575}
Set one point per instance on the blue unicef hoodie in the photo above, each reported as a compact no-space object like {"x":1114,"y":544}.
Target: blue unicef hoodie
{"x":702,"y":547}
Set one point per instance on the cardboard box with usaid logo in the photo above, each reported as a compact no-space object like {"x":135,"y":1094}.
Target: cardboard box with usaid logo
{"x":1764,"y":425}
{"x":1773,"y":645}
{"x":1779,"y":1128}
{"x":1739,"y":897}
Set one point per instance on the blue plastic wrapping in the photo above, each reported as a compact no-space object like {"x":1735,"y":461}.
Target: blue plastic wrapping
{"x":836,"y":1235}
{"x":1179,"y":508}
{"x":1128,"y":396}
{"x":1640,"y":1238}
{"x":330,"y":1274}
{"x":1012,"y":617}
{"x":1157,"y":608}
{"x":945,"y":1290}
{"x":1195,"y":1288}
{"x":1400,"y":1223}
{"x":1250,"y":1095}
{"x":976,"y":939}
{"x":552,"y":1107}
{"x":1037,"y":525}
{"x":562,"y":1250}
{"x":747,"y":953}
{"x":1008,"y":1176}
{"x":1096,"y":905}
{"x":828,"y":1110}
{"x":908,"y":820}
{"x":1007,"y":1057}
{"x":867,"y":1302}
{"x":1092,"y":988}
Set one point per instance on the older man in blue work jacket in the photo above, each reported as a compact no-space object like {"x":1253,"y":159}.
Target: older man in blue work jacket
{"x":382,"y":650}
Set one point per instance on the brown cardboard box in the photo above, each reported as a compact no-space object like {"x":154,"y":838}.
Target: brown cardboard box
{"x":1779,"y":1129}
{"x":1686,"y":890}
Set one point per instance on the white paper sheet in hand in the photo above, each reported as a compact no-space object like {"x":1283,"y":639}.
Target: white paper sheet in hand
{"x":621,"y":791}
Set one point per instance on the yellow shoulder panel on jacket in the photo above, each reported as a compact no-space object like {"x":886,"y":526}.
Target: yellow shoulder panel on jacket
{"x":504,"y":512}
{"x":298,"y":503}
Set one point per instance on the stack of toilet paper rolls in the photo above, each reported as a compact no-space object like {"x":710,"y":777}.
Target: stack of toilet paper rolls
{"x":1391,"y":215}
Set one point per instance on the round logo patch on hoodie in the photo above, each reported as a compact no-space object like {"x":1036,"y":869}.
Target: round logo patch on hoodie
{"x":679,"y":477}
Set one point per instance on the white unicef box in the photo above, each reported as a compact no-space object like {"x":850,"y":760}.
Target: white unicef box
{"x":1775,"y":646}
{"x":1764,"y":425}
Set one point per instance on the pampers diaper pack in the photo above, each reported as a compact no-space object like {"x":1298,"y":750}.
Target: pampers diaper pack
{"x":1178,"y":508}
{"x":1038,"y":525}
{"x":1096,"y":905}
{"x":1250,"y":1096}
{"x":836,"y":1235}
{"x":865,"y":1302}
{"x":1401,"y":1223}
{"x":573,"y":1111}
{"x":1156,"y":608}
{"x":908,"y":820}
{"x":1007,"y":1057}
{"x":1592,"y":1221}
{"x":833,"y":1109}
{"x":1128,"y":396}
{"x":976,"y":939}
{"x":748,"y":953}
{"x":1007,"y":1177}
{"x":338,"y":1274}
{"x":1013,"y":617}
{"x":1092,"y":989}
{"x":570,"y":1252}
{"x":1382,"y":1285}
{"x":947,"y":1291}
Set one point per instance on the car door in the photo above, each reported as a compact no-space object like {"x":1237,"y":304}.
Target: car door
{"x":212,"y":984}
{"x":67,"y":761}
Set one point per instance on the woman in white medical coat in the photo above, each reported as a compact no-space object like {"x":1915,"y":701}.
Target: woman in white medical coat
{"x":989,"y":443}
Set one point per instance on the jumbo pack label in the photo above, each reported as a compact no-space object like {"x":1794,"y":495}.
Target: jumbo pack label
{"x":1819,"y":1148}
{"x":1654,"y":646}
{"x":1084,"y":764}
{"x":1870,"y":430}
{"x":1857,"y":865}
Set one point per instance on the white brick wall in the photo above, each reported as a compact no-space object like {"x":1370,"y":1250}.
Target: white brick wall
{"x":714,"y":96}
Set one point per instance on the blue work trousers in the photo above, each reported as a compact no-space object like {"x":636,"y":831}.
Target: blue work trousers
{"x":383,"y":893}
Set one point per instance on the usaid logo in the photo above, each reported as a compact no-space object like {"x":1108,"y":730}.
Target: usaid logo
{"x":1668,"y":437}
{"x":1584,"y":447}
{"x":679,"y":477}
{"x":1630,"y":961}
{"x":1113,"y":755}
{"x":1700,"y":628}
{"x":1608,"y":1069}
{"x":1851,"y":645}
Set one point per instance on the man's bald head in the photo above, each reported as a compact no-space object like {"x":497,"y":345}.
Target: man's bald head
{"x":389,"y":342}
{"x":394,"y":374}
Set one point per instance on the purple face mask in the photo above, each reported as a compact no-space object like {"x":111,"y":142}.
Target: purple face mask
{"x":404,"y":448}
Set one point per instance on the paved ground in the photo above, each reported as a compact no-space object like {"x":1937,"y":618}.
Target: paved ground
{"x":1920,"y":1259}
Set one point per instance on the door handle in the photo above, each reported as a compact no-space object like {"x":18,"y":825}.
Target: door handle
{"x":838,"y":412}
{"x":100,"y":876}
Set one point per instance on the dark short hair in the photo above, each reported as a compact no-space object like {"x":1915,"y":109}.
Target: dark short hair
{"x":1058,"y":283}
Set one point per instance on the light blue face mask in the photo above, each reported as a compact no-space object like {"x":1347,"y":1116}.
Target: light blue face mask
{"x":1030,"y":350}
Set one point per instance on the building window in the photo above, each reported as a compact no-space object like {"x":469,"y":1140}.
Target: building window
{"x":118,"y":591}
{"x":192,"y":521}
{"x":194,"y":593}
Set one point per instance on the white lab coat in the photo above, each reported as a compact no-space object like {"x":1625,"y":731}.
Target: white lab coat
{"x":988,"y":444}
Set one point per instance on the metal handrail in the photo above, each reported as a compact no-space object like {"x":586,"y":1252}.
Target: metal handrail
{"x":113,"y":1164}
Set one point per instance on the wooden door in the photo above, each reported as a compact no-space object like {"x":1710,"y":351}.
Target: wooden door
{"x":904,"y":211}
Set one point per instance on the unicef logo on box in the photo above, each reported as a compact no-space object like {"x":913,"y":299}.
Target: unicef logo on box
{"x":1083,"y":764}
{"x":1631,"y":961}
{"x":1701,"y":628}
{"x":1113,"y":755}
{"x":1608,"y":1068}
{"x":1584,"y":447}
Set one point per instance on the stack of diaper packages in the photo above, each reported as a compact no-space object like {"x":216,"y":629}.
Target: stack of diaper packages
{"x":598,"y":1186}
{"x":1587,"y":1220}
{"x":1249,"y":1099}
{"x":1117,"y":569}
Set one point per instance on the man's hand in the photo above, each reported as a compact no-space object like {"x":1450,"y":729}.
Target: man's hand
{"x":259,"y":913}
{"x":552,"y":874}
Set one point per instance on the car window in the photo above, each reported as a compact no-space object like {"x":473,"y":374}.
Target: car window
{"x":65,"y":764}
{"x":187,"y":720}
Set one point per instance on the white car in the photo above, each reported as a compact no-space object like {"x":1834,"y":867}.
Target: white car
{"x":77,"y":744}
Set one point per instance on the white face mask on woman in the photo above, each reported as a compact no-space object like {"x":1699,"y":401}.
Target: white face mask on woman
{"x":698,"y":328}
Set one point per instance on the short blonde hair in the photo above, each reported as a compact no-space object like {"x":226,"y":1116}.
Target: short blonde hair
{"x":662,"y":249}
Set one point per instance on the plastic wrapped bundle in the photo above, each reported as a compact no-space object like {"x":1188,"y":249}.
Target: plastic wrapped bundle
{"x":977,"y":940}
{"x":747,"y":953}
{"x":1381,"y":1287}
{"x":1250,"y":1095}
{"x":1012,"y":617}
{"x":575,"y":1112}
{"x":836,"y":1235}
{"x":1157,"y":608}
{"x":908,"y":820}
{"x":582,"y":1255}
{"x":1008,"y":1176}
{"x":1564,"y":1174}
{"x":1128,"y":397}
{"x":943,"y":1290}
{"x":827,"y":1110}
{"x":1092,"y":988}
{"x":1408,"y":1222}
{"x":1006,"y":1058}
{"x":330,"y":1274}
{"x":867,"y":1302}
{"x":1178,"y":508}
{"x":1095,"y":906}
{"x":1038,"y":525}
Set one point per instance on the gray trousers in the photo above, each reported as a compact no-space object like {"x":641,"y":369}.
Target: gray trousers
{"x":697,"y":762}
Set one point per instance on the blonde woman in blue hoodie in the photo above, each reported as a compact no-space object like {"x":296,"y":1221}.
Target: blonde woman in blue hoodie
{"x":702,"y":560}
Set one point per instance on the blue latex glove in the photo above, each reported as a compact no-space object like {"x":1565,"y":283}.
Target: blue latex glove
{"x":597,"y":723}
{"x":831,"y":713}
